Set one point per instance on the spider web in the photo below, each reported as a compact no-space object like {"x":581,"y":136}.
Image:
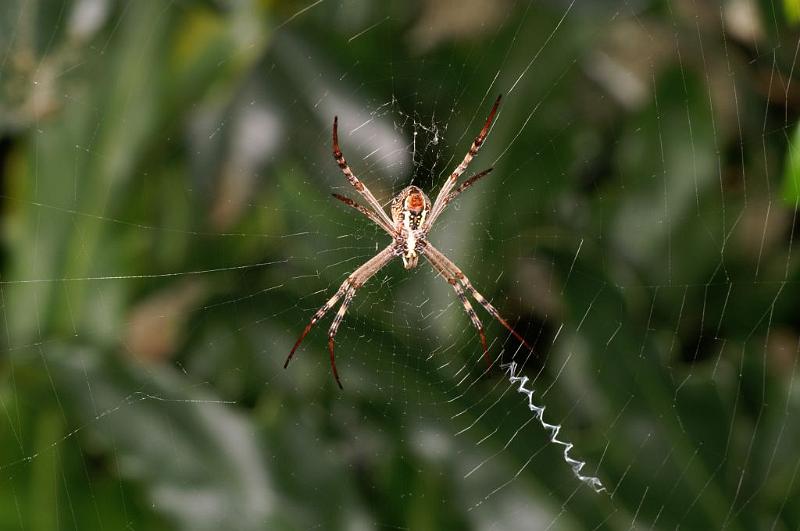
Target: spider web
{"x":169,"y":232}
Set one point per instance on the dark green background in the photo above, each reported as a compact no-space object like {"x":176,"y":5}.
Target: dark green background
{"x":168,"y":230}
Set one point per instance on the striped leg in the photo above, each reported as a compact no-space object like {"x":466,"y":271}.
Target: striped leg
{"x":489,"y":308}
{"x":449,"y":275}
{"x":348,"y":298}
{"x":466,"y":184}
{"x":476,"y":322}
{"x":463,"y":186}
{"x":348,"y":290}
{"x":317,"y":316}
{"x":357,"y":184}
{"x":369,"y":213}
{"x":434,"y":255}
{"x":444,"y":193}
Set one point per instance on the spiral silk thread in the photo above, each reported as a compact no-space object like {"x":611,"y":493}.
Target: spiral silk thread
{"x":553,"y":429}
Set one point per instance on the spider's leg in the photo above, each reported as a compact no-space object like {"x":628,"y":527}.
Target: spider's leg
{"x":348,"y":288}
{"x":447,"y":187}
{"x":358,"y":278}
{"x":489,"y":308}
{"x":369,"y":213}
{"x":463,"y":186}
{"x":466,"y":184}
{"x":476,"y":322}
{"x":335,"y":327}
{"x":357,"y":184}
{"x":453,"y":281}
{"x":438,"y":256}
{"x":317,"y":316}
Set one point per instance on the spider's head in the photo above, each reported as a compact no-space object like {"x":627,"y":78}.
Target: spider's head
{"x":409,"y":209}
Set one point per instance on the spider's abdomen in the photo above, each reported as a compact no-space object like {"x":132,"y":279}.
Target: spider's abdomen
{"x":409,"y":209}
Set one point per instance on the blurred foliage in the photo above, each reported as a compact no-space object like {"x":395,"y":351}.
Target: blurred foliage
{"x":168,"y":230}
{"x":792,"y":10}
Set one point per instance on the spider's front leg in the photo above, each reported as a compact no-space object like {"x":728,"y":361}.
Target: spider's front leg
{"x":447,"y":187}
{"x":354,"y":181}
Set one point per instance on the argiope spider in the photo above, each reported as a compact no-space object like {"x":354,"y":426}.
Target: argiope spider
{"x":412,"y":219}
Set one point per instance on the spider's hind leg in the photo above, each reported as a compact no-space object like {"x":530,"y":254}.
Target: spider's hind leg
{"x":476,"y":322}
{"x":450,"y":271}
{"x":491,"y":309}
{"x":348,"y":290}
{"x":449,"y":275}
{"x":348,"y":298}
{"x":317,"y":316}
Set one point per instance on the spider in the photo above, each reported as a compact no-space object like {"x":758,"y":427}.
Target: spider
{"x":411,"y":221}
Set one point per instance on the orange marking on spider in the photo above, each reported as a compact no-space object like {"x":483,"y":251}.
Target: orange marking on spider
{"x":415,"y":202}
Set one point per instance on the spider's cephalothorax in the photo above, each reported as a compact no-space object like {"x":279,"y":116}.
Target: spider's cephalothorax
{"x":412,"y":219}
{"x":410,"y":208}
